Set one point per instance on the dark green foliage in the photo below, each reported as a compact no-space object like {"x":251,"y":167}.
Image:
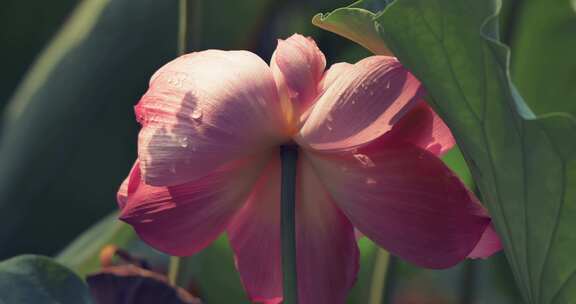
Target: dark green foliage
{"x":38,"y":279}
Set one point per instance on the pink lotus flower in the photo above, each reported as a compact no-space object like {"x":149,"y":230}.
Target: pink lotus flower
{"x":208,"y":162}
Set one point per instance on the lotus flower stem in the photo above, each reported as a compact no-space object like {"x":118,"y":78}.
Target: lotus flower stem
{"x":174,"y":270}
{"x":379,"y":276}
{"x":289,"y":156}
{"x":468,"y":282}
{"x":391,"y":276}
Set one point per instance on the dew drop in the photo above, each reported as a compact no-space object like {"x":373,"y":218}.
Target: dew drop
{"x":183,"y":141}
{"x":364,"y":160}
{"x":371,"y":181}
{"x":197,"y":114}
{"x":177,"y":80}
{"x":173,"y":169}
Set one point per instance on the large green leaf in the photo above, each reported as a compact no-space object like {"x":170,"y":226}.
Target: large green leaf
{"x":25,"y":27}
{"x":524,"y":166}
{"x":69,"y":136}
{"x":355,"y":24}
{"x":38,"y":279}
{"x":543,"y":48}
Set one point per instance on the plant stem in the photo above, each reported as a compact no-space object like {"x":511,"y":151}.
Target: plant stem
{"x":182,"y":26}
{"x":379,"y":276}
{"x":391,"y":277}
{"x":189,"y":25}
{"x":174,"y":270}
{"x":468,"y":282}
{"x":289,"y":157}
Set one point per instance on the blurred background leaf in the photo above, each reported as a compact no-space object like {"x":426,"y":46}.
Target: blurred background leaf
{"x":83,"y":254}
{"x":25,"y":27}
{"x":68,"y":138}
{"x":38,"y":279}
{"x":543,"y":48}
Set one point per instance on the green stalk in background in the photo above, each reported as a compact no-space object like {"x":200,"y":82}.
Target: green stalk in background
{"x":175,"y":274}
{"x":379,"y":276}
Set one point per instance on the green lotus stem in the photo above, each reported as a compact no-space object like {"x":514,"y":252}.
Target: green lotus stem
{"x":174,"y":270}
{"x":391,"y":277}
{"x":379,"y":278}
{"x":468,"y":282}
{"x":189,"y":25}
{"x":289,"y":156}
{"x":182,"y":26}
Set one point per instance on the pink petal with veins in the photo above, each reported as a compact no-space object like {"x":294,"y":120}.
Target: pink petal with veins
{"x":360,"y":105}
{"x":425,"y":129}
{"x":488,"y":245}
{"x":298,"y":66}
{"x":255,"y":237}
{"x":181,"y":220}
{"x":335,"y":71}
{"x":406,"y":200}
{"x":203,"y":110}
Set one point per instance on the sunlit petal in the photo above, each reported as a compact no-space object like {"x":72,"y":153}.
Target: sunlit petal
{"x":298,"y":66}
{"x":203,"y":110}
{"x":360,"y":105}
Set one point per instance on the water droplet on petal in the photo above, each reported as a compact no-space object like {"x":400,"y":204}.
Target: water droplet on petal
{"x":183,"y":141}
{"x":177,"y":80}
{"x":364,"y":160}
{"x":371,"y":181}
{"x":197,"y":114}
{"x":173,"y":169}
